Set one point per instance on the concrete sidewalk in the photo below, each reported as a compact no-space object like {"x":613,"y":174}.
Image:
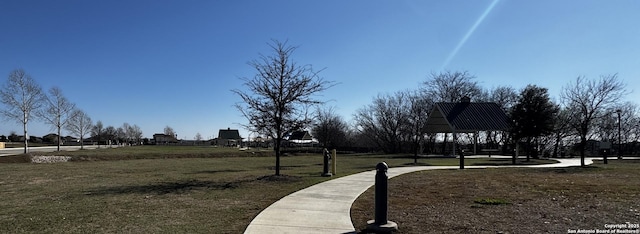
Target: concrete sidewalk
{"x":326,"y":207}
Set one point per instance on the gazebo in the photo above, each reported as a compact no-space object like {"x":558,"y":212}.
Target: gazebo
{"x":466,"y":117}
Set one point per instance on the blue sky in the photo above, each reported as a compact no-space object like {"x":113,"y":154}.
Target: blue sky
{"x":158,"y":63}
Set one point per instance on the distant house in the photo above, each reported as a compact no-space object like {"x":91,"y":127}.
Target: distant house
{"x":34,"y":139}
{"x":228,"y":138}
{"x":163,"y":139}
{"x":70,"y":140}
{"x":299,"y":138}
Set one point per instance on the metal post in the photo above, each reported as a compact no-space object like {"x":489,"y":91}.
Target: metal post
{"x":619,"y":135}
{"x":333,"y":161}
{"x":381,"y":224}
{"x":381,"y":193}
{"x":461,"y":159}
{"x":325,"y":168}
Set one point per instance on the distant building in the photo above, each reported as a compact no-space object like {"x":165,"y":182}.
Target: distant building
{"x":228,"y":138}
{"x":298,"y":138}
{"x":163,"y":139}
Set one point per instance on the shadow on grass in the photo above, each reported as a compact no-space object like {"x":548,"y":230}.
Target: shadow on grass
{"x":179,"y":187}
{"x":418,"y":164}
{"x":577,"y":169}
{"x":215,"y":171}
{"x":508,"y":161}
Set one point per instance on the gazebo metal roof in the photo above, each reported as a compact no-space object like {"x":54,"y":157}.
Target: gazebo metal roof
{"x":460,"y":117}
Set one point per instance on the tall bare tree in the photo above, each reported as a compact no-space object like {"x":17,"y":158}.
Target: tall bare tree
{"x":591,"y":99}
{"x":279,"y":95}
{"x":97,"y":132}
{"x":198,"y":137}
{"x":57,"y":111}
{"x":135,"y":132}
{"x":418,"y":108}
{"x":110,"y":134}
{"x":506,"y":97}
{"x":562,"y":128}
{"x":329,"y":128}
{"x":22,"y":96}
{"x":452,"y":86}
{"x":79,"y":124}
{"x":382,"y":121}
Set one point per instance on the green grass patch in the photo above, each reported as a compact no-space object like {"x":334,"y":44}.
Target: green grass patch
{"x":542,"y":200}
{"x":161,"y":189}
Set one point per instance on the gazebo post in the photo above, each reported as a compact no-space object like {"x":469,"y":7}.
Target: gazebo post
{"x":453,"y":140}
{"x":475,"y":143}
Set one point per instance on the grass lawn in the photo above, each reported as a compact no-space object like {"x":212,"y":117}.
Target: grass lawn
{"x":166,"y":189}
{"x":510,"y":200}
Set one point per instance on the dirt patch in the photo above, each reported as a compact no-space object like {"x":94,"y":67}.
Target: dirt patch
{"x":22,"y":158}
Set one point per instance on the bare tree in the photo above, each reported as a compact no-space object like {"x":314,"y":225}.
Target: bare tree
{"x":22,"y":96}
{"x":57,"y":111}
{"x":79,"y":124}
{"x":418,"y":108}
{"x":329,"y":128}
{"x":170,"y":132}
{"x":110,"y":134}
{"x":562,"y":128}
{"x":590,"y":100}
{"x":97,"y":132}
{"x":279,"y":94}
{"x":135,"y":132}
{"x":506,"y":97}
{"x":198,"y":137}
{"x":383,"y":121}
{"x":452,"y":86}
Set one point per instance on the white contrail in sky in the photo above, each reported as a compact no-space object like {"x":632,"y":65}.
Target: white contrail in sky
{"x":468,"y":34}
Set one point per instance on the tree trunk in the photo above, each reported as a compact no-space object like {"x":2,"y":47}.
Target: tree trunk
{"x":415,"y":153}
{"x":557,"y":145}
{"x":59,"y":138}
{"x":277,"y":150}
{"x":444,"y":144}
{"x":515,"y":154}
{"x":528,"y":149}
{"x":583,"y":149}
{"x":277,"y":146}
{"x":26,"y":140}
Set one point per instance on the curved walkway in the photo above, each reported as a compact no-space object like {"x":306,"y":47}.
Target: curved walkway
{"x":326,"y":207}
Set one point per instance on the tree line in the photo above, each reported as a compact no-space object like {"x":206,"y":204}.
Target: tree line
{"x":588,"y":109}
{"x":277,"y":100}
{"x":24,"y":101}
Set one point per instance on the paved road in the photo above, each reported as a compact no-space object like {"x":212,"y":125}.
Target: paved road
{"x":325,"y":207}
{"x":14,"y":151}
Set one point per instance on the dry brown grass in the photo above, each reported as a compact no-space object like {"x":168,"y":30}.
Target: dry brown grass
{"x":510,"y":200}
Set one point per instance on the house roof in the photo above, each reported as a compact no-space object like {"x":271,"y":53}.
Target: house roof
{"x":467,"y":117}
{"x":229,"y":134}
{"x":300,"y":135}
